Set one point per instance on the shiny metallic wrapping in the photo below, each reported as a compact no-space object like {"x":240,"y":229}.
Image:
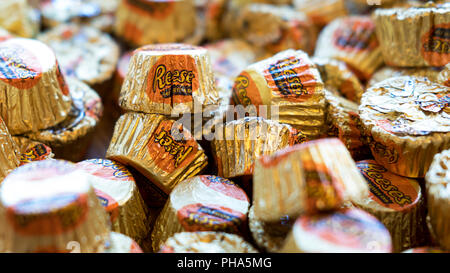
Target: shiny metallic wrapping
{"x":120,"y":243}
{"x":313,"y":177}
{"x":337,"y":77}
{"x":168,"y":79}
{"x":239,"y":143}
{"x":427,"y":47}
{"x":147,"y":143}
{"x":444,"y":76}
{"x":290,"y":87}
{"x":119,"y":75}
{"x":70,"y":138}
{"x":202,"y":203}
{"x":59,"y":210}
{"x":408,"y":121}
{"x":17,"y":18}
{"x":432,"y":73}
{"x":322,"y":12}
{"x":214,"y":12}
{"x":170,"y":21}
{"x":31,"y":151}
{"x":265,"y":238}
{"x":343,"y":122}
{"x":9,"y":152}
{"x":438,"y":198}
{"x":119,"y":195}
{"x":344,"y":231}
{"x":397,"y":202}
{"x":83,"y":52}
{"x":33,"y":92}
{"x":206,"y":242}
{"x":352,"y":40}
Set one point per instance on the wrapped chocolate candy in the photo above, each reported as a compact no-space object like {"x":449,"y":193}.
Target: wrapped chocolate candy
{"x":425,"y":250}
{"x":344,"y":123}
{"x":206,"y":242}
{"x":58,"y":210}
{"x":168,"y":79}
{"x":18,"y":18}
{"x":408,"y":121}
{"x":85,"y":53}
{"x":31,"y":151}
{"x":70,"y":139}
{"x":142,"y":22}
{"x":397,"y":202}
{"x":337,"y":77}
{"x":290,"y":87}
{"x":202,"y":203}
{"x":158,"y":147}
{"x":9,"y":152}
{"x":34,"y":93}
{"x":437,"y":185}
{"x":322,"y":12}
{"x":119,"y":76}
{"x":117,"y":191}
{"x":267,"y":237}
{"x":352,"y":40}
{"x":214,"y":11}
{"x":240,"y":142}
{"x":347,"y":230}
{"x":313,"y":177}
{"x":120,"y":243}
{"x":432,"y":73}
{"x":94,"y":13}
{"x":444,"y":76}
{"x":414,"y":36}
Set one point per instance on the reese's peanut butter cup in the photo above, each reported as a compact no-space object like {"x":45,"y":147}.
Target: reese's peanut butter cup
{"x":313,"y":177}
{"x":142,"y":22}
{"x":9,"y":152}
{"x":344,"y":123}
{"x":432,"y":73}
{"x":408,"y":121}
{"x":425,"y":250}
{"x":214,"y":11}
{"x":158,"y":147}
{"x":415,"y":36}
{"x":120,"y":243}
{"x":444,"y":77}
{"x":438,"y":198}
{"x":337,"y":77}
{"x":84,"y":53}
{"x":120,"y":74}
{"x":239,"y":143}
{"x":16,"y":17}
{"x":169,"y":78}
{"x":352,"y":40}
{"x":266,"y":236}
{"x":117,"y":191}
{"x":202,"y":203}
{"x":206,"y":242}
{"x":70,"y":138}
{"x":397,"y":202}
{"x":34,"y":94}
{"x":58,"y":209}
{"x":290,"y":87}
{"x":322,"y":12}
{"x":94,"y":13}
{"x":31,"y":151}
{"x":347,"y":230}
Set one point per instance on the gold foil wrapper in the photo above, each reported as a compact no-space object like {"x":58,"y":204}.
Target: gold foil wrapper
{"x":432,"y":73}
{"x":119,"y":195}
{"x":239,"y":143}
{"x":119,"y":75}
{"x":313,"y":177}
{"x":31,"y":151}
{"x":322,"y":12}
{"x":70,"y":139}
{"x":202,"y":203}
{"x":16,"y":18}
{"x":427,"y":47}
{"x":214,"y":12}
{"x":120,"y":243}
{"x":39,"y":97}
{"x":408,"y":122}
{"x":261,"y":233}
{"x":168,"y":79}
{"x":48,"y":217}
{"x":170,"y":21}
{"x":147,"y":143}
{"x":438,"y":196}
{"x":343,"y":231}
{"x":206,"y":242}
{"x":352,"y":40}
{"x":397,"y":202}
{"x":83,"y":52}
{"x":343,"y":122}
{"x":290,"y":88}
{"x":9,"y":152}
{"x":337,"y":77}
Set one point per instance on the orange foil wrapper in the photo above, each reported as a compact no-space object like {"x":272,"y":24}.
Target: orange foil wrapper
{"x":322,"y":12}
{"x":202,"y":203}
{"x":31,"y":151}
